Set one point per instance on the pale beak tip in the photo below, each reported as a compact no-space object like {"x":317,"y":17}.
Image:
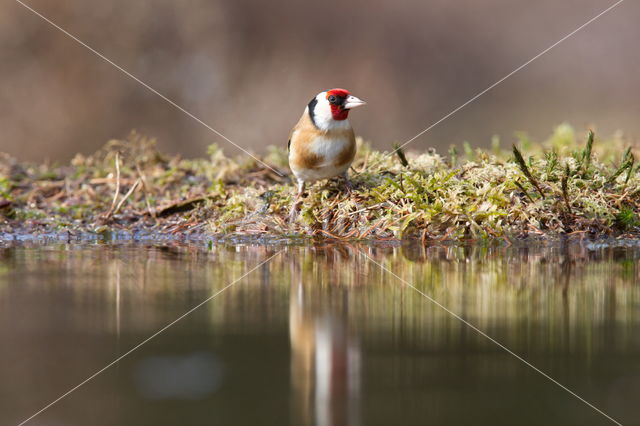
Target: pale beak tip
{"x":353,"y":102}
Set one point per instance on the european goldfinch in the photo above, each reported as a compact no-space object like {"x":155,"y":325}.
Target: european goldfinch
{"x":322,"y":145}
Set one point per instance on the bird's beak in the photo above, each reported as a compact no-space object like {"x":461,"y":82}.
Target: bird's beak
{"x":353,"y":102}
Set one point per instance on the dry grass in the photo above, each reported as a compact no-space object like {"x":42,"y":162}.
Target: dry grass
{"x":565,"y":185}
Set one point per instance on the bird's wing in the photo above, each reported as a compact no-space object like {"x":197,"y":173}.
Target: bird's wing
{"x":291,"y":135}
{"x":298,"y":125}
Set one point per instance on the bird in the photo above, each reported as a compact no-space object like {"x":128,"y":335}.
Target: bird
{"x":322,"y":144}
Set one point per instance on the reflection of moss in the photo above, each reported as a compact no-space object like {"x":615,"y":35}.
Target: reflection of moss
{"x":559,"y":186}
{"x":531,"y":297}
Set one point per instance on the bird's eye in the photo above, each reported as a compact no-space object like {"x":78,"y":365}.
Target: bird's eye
{"x":332,"y":98}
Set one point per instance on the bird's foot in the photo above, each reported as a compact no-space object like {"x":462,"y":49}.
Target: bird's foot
{"x":348,"y":186}
{"x":295,"y":210}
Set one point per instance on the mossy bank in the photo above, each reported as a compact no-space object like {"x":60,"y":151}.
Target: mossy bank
{"x":571,"y":184}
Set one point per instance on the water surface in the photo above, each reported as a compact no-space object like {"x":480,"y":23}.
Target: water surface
{"x":319,"y":334}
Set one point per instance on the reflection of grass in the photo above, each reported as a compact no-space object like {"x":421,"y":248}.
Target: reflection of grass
{"x":545,"y":298}
{"x":559,"y":186}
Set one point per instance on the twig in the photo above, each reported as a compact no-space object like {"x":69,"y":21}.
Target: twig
{"x":127,"y":195}
{"x":565,"y":189}
{"x":368,"y":230}
{"x":145,"y":189}
{"x":375,"y":206}
{"x":182,"y":206}
{"x":117,"y":193}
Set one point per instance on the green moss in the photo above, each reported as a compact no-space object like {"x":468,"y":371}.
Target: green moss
{"x":5,"y":188}
{"x":627,"y":218}
{"x":29,"y":214}
{"x":564,"y":184}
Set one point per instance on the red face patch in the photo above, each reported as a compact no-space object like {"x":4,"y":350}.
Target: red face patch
{"x":337,"y":111}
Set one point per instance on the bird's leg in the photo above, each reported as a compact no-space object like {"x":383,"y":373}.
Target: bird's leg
{"x":301,"y":186}
{"x":295,"y":207}
{"x":348,"y":185}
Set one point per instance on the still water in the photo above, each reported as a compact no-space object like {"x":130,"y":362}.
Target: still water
{"x":319,"y":335}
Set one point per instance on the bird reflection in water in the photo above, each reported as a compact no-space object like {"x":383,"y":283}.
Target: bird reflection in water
{"x":325,"y":356}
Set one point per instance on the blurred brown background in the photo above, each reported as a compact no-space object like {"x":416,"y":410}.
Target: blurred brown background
{"x":248,"y":67}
